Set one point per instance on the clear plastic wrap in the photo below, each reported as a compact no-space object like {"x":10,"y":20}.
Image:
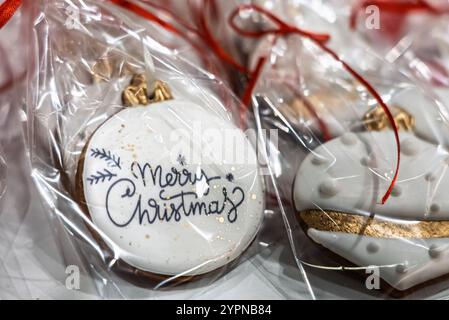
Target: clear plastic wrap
{"x":414,"y":38}
{"x":14,"y":169}
{"x":356,"y":229}
{"x":147,"y":161}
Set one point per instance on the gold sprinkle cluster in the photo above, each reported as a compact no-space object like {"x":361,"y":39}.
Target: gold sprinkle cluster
{"x":333,"y":221}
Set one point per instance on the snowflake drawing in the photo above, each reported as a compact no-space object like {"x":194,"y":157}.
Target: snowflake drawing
{"x":230,"y":177}
{"x":181,"y":160}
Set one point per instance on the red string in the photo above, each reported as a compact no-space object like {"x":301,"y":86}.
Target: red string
{"x":169,"y":11}
{"x":283,"y":28}
{"x":213,"y":43}
{"x":194,"y":37}
{"x":398,"y":7}
{"x":8,"y":72}
{"x":126,"y":4}
{"x":9,"y":7}
{"x":7,"y":10}
{"x":384,"y":106}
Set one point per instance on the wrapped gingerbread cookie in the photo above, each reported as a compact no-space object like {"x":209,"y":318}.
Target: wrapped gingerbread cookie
{"x":359,"y":168}
{"x":139,"y":153}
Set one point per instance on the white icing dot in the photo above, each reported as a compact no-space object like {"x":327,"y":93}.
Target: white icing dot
{"x":349,"y":139}
{"x":402,"y":268}
{"x":396,"y":192}
{"x":372,"y":247}
{"x":434,"y":208}
{"x":430,"y":177}
{"x":434,"y":251}
{"x":366,"y":161}
{"x":329,"y":187}
{"x":318,"y":160}
{"x":409,"y":147}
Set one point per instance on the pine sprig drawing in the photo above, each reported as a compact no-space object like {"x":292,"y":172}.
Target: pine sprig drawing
{"x":101,"y":176}
{"x":110,"y":158}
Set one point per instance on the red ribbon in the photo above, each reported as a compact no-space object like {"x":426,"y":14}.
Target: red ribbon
{"x":394,"y":6}
{"x":9,"y":7}
{"x":282,"y":28}
{"x":213,"y":43}
{"x":7,"y":10}
{"x":190,"y":34}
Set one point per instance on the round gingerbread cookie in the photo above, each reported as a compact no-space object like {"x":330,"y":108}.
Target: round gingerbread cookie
{"x":338,"y":191}
{"x":172,"y":188}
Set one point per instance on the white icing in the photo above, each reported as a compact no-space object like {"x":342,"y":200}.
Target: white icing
{"x":182,"y":136}
{"x":355,"y":177}
{"x":431,"y":120}
{"x":349,"y":139}
{"x":403,"y":263}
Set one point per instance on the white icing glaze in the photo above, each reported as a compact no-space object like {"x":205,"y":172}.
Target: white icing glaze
{"x":403,"y":263}
{"x":177,"y":140}
{"x":432,"y":121}
{"x":355,"y":177}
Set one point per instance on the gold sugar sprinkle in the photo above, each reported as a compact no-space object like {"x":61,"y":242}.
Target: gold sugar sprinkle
{"x":221,"y":219}
{"x":253,"y":196}
{"x":335,"y":221}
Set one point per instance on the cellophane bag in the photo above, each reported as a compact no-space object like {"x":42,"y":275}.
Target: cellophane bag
{"x":14,"y":169}
{"x":348,"y":121}
{"x":409,"y":34}
{"x":146,"y":163}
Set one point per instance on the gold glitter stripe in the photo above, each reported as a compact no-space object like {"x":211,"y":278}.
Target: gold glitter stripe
{"x":334,"y":221}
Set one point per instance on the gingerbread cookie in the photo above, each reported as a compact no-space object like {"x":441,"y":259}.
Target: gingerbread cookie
{"x":337,"y":194}
{"x":172,"y":188}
